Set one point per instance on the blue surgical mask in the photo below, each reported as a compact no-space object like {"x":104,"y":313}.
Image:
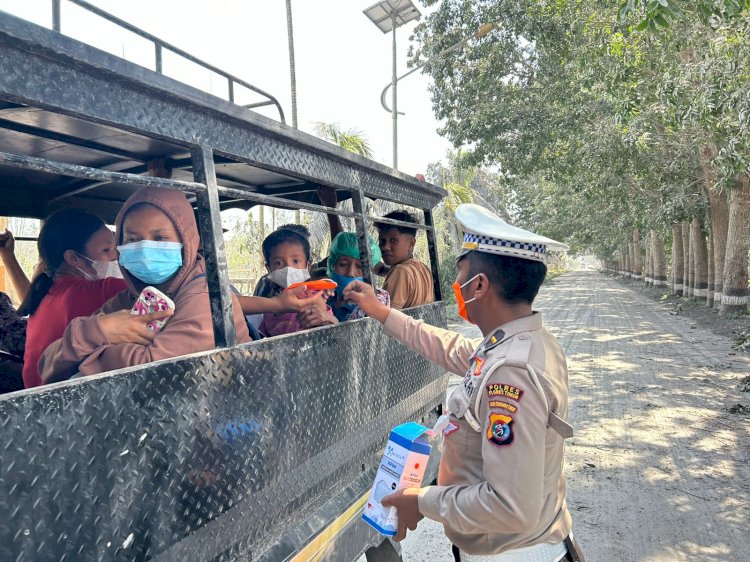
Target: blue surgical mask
{"x":151,"y":262}
{"x":343,"y":281}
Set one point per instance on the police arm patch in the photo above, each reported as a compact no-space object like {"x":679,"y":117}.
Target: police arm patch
{"x":500,"y":430}
{"x":500,"y":390}
{"x":504,"y":405}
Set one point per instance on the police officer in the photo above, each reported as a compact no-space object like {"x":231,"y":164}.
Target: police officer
{"x":501,"y":489}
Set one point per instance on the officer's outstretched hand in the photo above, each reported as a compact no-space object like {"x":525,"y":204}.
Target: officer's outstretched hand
{"x":406,"y":502}
{"x":363,"y":295}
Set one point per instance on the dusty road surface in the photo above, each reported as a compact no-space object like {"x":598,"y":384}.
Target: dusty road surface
{"x":659,"y":469}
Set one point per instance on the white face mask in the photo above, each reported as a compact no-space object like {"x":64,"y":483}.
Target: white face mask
{"x":104,"y":269}
{"x":288,"y":276}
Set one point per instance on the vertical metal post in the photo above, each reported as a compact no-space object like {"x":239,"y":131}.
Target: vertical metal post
{"x":432,"y":250}
{"x":363,"y":237}
{"x":212,"y":237}
{"x":157,"y":53}
{"x":394,"y":86}
{"x":231,"y":89}
{"x":56,"y":15}
{"x":292,"y":67}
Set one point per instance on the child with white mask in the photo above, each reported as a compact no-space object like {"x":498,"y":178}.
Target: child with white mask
{"x":81,"y":274}
{"x":287,"y":257}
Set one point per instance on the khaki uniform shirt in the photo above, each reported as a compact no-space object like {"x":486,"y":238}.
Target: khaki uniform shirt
{"x":410,"y":284}
{"x":500,"y":483}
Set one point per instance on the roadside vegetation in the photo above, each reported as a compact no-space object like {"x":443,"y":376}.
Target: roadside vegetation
{"x":622,"y":129}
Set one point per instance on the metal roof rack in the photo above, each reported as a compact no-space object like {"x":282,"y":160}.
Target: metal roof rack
{"x":160,"y":46}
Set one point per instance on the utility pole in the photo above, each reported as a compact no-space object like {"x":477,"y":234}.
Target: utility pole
{"x":388,"y":15}
{"x":292,"y":79}
{"x":394,"y":85}
{"x":292,"y":68}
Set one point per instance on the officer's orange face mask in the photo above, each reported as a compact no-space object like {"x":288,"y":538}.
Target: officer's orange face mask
{"x":462,"y":312}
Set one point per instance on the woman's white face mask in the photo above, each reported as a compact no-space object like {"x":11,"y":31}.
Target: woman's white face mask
{"x":288,"y":276}
{"x":104,"y":269}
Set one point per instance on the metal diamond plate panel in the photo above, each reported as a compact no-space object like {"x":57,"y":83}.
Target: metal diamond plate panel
{"x":210,"y":457}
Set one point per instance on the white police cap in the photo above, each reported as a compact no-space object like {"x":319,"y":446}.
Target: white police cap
{"x":484,"y":231}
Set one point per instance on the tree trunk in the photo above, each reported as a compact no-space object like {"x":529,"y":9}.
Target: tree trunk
{"x":637,"y":270}
{"x":734,"y":293}
{"x":659,"y":263}
{"x":719,"y":216}
{"x":678,"y":259}
{"x":710,"y":265}
{"x":628,"y":260}
{"x":700,"y":260}
{"x":650,"y":253}
{"x":688,"y":292}
{"x":690,"y":261}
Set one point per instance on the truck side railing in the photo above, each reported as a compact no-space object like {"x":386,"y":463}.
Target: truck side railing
{"x":160,"y":46}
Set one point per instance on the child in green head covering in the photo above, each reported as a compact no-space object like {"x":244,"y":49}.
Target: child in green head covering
{"x":344,"y":266}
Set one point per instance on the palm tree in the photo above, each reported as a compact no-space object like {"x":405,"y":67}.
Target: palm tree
{"x":458,"y":193}
{"x":352,"y":140}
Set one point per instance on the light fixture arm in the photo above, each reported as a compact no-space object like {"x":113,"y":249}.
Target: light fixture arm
{"x":481,"y":32}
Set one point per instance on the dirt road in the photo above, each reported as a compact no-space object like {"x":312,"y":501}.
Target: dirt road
{"x":659,"y":469}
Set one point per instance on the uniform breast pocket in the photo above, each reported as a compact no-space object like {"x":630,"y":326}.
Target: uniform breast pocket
{"x":459,"y":400}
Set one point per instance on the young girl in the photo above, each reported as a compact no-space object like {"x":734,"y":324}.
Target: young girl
{"x":81,"y":275}
{"x":287,"y":257}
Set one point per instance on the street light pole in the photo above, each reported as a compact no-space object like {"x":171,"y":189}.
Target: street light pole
{"x":394,"y":84}
{"x":292,"y":68}
{"x":387,"y":15}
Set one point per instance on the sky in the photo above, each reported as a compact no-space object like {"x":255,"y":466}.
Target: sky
{"x":343,"y":60}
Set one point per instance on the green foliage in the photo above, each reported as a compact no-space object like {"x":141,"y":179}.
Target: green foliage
{"x":742,"y":342}
{"x":603,"y":120}
{"x":352,"y":140}
{"x":465,"y":184}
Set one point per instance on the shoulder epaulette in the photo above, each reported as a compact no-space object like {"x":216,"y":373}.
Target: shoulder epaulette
{"x":518,"y":352}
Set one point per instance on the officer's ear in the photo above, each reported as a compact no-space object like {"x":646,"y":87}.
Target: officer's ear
{"x":483,"y":286}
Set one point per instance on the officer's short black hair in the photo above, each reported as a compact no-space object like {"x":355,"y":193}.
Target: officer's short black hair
{"x":402,"y":215}
{"x":515,"y":280}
